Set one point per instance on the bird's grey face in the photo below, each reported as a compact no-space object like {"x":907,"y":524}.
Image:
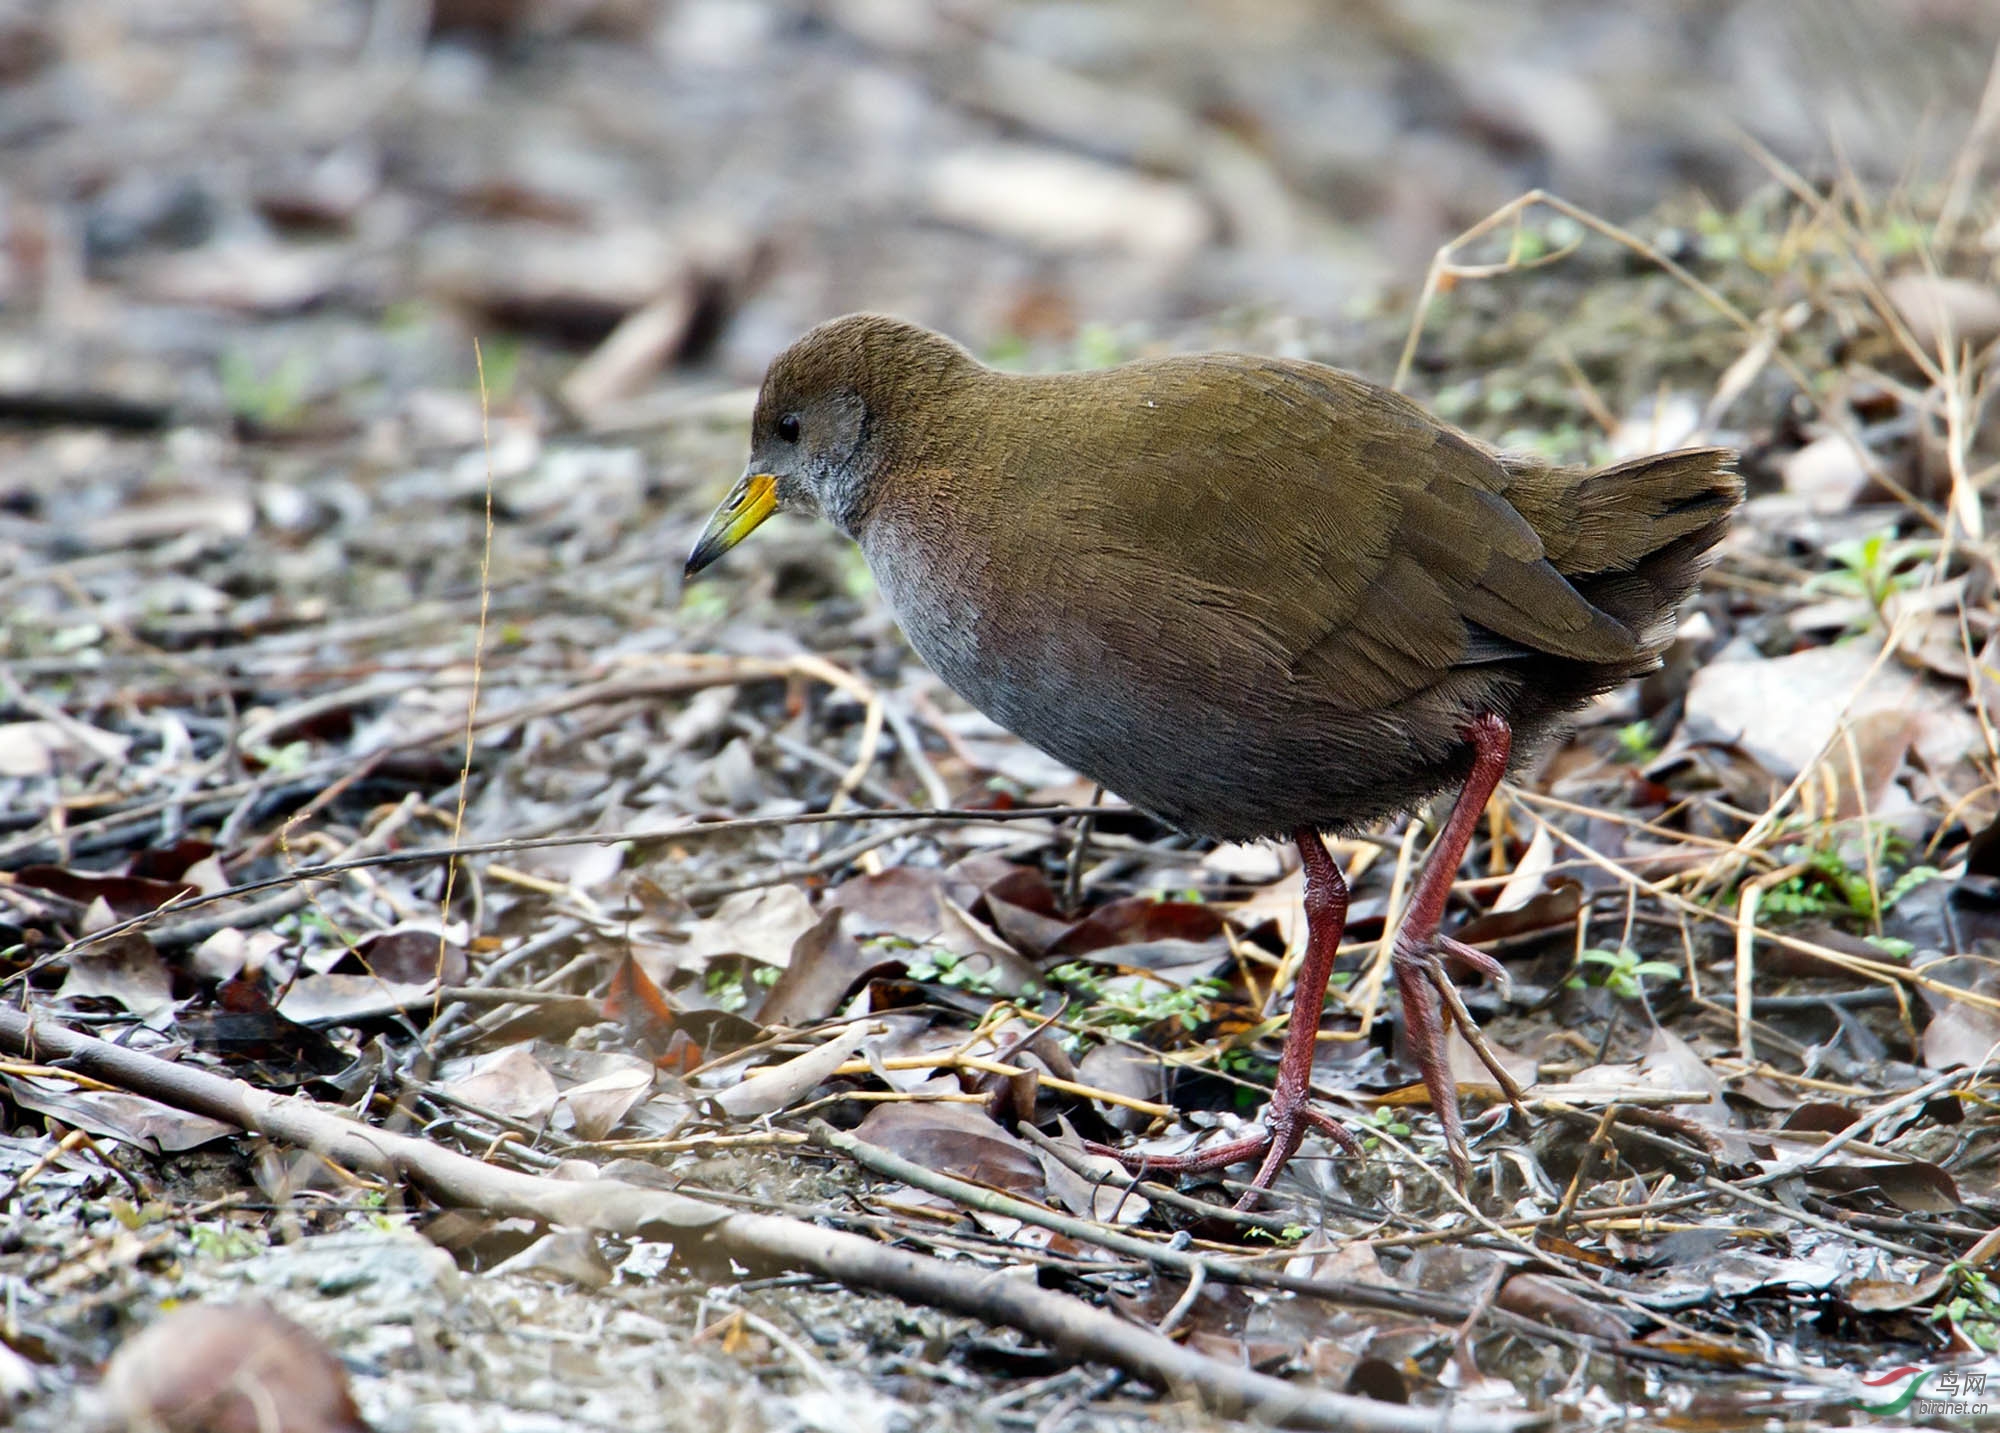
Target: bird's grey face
{"x":808,"y":454}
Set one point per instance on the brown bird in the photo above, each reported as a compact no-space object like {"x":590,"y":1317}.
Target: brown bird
{"x":1256,"y":597}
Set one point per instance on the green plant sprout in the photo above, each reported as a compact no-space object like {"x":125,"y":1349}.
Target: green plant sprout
{"x":81,"y":637}
{"x":1560,"y":441}
{"x":269,"y":396}
{"x":1637,"y":745}
{"x":1899,"y":235}
{"x":1875,"y":569}
{"x":1727,"y":236}
{"x":704,"y":602}
{"x":730,"y":988}
{"x":224,"y":1243}
{"x":1290,"y":1234}
{"x":1243,"y":1061}
{"x":1098,"y":346}
{"x":725,"y":987}
{"x":1974,"y":1305}
{"x":950,"y":969}
{"x":1009,"y":350}
{"x":1831,"y":889}
{"x":1383,"y":1120}
{"x":1240,"y":1062}
{"x":857,"y":579}
{"x":283,"y":760}
{"x":502,"y":367}
{"x":304,"y":923}
{"x":1622,"y":971}
{"x":1121,"y":1007}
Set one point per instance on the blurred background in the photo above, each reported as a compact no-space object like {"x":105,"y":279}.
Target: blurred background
{"x":269,"y":208}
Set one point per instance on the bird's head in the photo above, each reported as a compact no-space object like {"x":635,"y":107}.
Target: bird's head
{"x":836,"y":411}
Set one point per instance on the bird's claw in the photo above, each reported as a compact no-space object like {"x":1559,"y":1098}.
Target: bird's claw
{"x":1283,"y":1130}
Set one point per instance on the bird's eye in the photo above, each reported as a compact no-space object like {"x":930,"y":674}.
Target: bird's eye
{"x":788,"y":427}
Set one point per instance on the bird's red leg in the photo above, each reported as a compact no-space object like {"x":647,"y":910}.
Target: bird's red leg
{"x":1415,"y":958}
{"x":1289,"y":1115}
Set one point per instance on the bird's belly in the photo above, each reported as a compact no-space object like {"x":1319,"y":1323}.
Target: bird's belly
{"x":1232,"y":753}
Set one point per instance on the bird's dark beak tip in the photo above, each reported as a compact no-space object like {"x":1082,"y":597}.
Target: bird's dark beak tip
{"x":707,"y":551}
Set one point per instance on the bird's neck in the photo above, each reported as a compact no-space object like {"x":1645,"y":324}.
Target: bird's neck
{"x":929,"y":457}
{"x":932,"y":530}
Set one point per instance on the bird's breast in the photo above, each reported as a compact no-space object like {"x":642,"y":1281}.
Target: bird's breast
{"x":997,"y":621}
{"x":1067,"y":648}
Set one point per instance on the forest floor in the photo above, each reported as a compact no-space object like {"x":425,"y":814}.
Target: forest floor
{"x":626,"y":892}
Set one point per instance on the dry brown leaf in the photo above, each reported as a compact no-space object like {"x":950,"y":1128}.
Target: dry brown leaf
{"x":112,"y":1114}
{"x":761,"y":925}
{"x":41,"y":748}
{"x":771,"y":1090}
{"x":596,"y":1106}
{"x":958,"y":1139}
{"x":1892,"y":1296}
{"x":345,"y":999}
{"x":1784,"y":710}
{"x":509,"y":1081}
{"x":1108,"y":1197}
{"x":564,"y":1256}
{"x":1940,"y":309}
{"x":826,"y":965}
{"x":1827,"y":472}
{"x":1916,"y":1185}
{"x":125,"y":969}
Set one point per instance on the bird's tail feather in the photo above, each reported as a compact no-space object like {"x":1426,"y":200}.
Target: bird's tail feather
{"x":1635,"y":537}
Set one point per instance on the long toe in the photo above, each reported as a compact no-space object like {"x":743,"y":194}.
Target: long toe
{"x":1334,"y":1130}
{"x":1288,"y":1129}
{"x":1423,"y":1021}
{"x":1200,"y":1161}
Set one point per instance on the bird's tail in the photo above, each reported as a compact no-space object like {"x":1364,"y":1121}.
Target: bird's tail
{"x":1635,"y":537}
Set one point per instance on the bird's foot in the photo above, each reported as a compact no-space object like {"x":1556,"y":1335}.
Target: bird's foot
{"x":1285,"y":1125}
{"x":1290,"y":1114}
{"x":1428,"y":993}
{"x":1426,"y":989}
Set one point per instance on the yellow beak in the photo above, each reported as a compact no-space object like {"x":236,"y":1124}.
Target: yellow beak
{"x":748,"y":504}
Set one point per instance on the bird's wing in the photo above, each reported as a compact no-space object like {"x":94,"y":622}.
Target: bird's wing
{"x":1463,"y":575}
{"x":1377,"y":552}
{"x":1323,"y":529}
